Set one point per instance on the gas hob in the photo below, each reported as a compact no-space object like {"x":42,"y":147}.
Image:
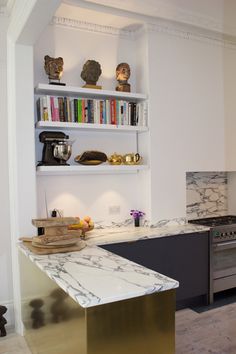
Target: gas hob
{"x":223,"y":228}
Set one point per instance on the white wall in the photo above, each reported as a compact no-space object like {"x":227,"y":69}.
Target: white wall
{"x":5,"y":239}
{"x":230,"y":107}
{"x":89,"y":194}
{"x":77,"y":46}
{"x":186,"y":116}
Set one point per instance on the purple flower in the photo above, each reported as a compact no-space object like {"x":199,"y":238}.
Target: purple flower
{"x":136,"y":213}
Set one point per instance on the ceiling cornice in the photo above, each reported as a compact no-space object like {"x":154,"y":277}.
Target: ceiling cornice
{"x":161,"y":26}
{"x":163,"y":11}
{"x":189,"y":32}
{"x":91,"y":27}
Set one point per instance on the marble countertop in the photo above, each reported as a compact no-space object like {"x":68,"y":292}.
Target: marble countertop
{"x":94,"y":276}
{"x":131,"y":233}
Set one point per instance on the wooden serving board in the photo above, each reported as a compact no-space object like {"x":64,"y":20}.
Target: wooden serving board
{"x":43,"y":251}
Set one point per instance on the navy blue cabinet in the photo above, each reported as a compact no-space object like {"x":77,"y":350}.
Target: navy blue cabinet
{"x":182,"y":257}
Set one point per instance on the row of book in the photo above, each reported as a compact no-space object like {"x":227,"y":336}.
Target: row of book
{"x":98,"y":111}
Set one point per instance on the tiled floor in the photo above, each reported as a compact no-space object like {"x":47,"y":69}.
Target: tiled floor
{"x":13,"y":344}
{"x":211,"y":332}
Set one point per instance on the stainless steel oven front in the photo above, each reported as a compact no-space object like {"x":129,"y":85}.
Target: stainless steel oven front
{"x":222,"y":260}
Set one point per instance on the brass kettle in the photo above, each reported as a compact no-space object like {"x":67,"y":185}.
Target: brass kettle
{"x":132,"y":159}
{"x":115,"y":159}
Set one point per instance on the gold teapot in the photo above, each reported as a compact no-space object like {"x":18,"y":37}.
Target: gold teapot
{"x":115,"y":159}
{"x":132,"y":159}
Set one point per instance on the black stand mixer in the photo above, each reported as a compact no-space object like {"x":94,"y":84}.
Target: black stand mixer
{"x":56,"y":150}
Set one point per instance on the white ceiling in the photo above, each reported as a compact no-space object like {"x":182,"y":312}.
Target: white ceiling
{"x":218,"y":15}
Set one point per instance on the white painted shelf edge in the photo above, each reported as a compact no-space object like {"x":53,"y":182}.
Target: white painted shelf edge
{"x":90,"y":126}
{"x":45,"y":89}
{"x":99,"y":169}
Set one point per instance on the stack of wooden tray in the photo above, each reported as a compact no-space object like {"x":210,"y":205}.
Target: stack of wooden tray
{"x":56,"y":237}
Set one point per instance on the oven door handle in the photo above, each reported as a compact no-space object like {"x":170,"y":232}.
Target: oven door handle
{"x":224,"y":246}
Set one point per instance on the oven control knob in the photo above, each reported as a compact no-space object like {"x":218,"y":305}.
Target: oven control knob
{"x":216,"y":234}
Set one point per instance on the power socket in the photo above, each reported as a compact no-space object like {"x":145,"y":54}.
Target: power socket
{"x":114,"y":209}
{"x":56,"y":213}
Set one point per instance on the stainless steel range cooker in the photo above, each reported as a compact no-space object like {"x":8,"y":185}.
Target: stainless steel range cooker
{"x":222,"y":252}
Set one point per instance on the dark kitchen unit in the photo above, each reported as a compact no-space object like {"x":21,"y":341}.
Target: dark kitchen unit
{"x":222,"y":252}
{"x":184,"y":257}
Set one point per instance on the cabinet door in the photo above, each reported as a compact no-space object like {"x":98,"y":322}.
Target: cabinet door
{"x":181,"y":257}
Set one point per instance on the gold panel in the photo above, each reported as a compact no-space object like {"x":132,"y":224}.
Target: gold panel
{"x":143,"y":325}
{"x":58,"y":325}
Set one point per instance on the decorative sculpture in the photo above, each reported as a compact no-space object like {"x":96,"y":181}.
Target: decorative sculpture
{"x":54,"y":69}
{"x":122,"y":76}
{"x":37,"y":314}
{"x":3,"y":321}
{"x":90,"y":74}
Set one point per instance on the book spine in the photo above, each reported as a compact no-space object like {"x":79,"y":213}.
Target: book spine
{"x":38,"y":109}
{"x":44,"y":108}
{"x":134,"y":112}
{"x":108,"y":110}
{"x":122,"y":112}
{"x":104,"y":121}
{"x":112,"y":108}
{"x":118,"y":117}
{"x":56,"y":106}
{"x":68,"y":109}
{"x":90,"y":111}
{"x":72,"y":112}
{"x":126,"y":113}
{"x":75,"y":110}
{"x":95,"y":111}
{"x":79,"y":110}
{"x":49,"y":108}
{"x":65,"y":111}
{"x":53,"y":109}
{"x":61,"y":109}
{"x":85,"y":111}
{"x":137,"y":114}
{"x":101,"y":111}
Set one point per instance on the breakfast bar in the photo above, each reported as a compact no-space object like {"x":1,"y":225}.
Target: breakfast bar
{"x":93,"y":301}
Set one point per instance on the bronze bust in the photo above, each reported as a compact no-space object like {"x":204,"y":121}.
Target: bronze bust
{"x":90,"y":73}
{"x":53,"y":68}
{"x":122,"y":76}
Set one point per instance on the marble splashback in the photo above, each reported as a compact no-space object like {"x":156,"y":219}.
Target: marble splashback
{"x":143,"y":222}
{"x":206,"y":194}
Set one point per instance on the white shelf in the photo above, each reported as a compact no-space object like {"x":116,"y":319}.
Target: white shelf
{"x":72,"y":91}
{"x":89,"y":126}
{"x":81,"y":169}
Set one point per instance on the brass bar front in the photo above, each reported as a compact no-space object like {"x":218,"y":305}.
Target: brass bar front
{"x":55,"y":324}
{"x":143,"y":325}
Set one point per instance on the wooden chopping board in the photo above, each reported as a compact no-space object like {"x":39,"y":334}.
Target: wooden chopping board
{"x":43,"y":251}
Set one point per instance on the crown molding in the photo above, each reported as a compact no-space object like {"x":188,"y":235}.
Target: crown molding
{"x":163,"y":10}
{"x":171,"y":28}
{"x":190,"y":32}
{"x":92,"y":27}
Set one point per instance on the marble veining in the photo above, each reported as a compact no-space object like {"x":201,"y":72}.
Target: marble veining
{"x":206,"y":194}
{"x":143,"y":222}
{"x":94,"y":276}
{"x":126,"y":234}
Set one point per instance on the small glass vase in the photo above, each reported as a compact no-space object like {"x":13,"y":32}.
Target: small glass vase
{"x":137,"y":222}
